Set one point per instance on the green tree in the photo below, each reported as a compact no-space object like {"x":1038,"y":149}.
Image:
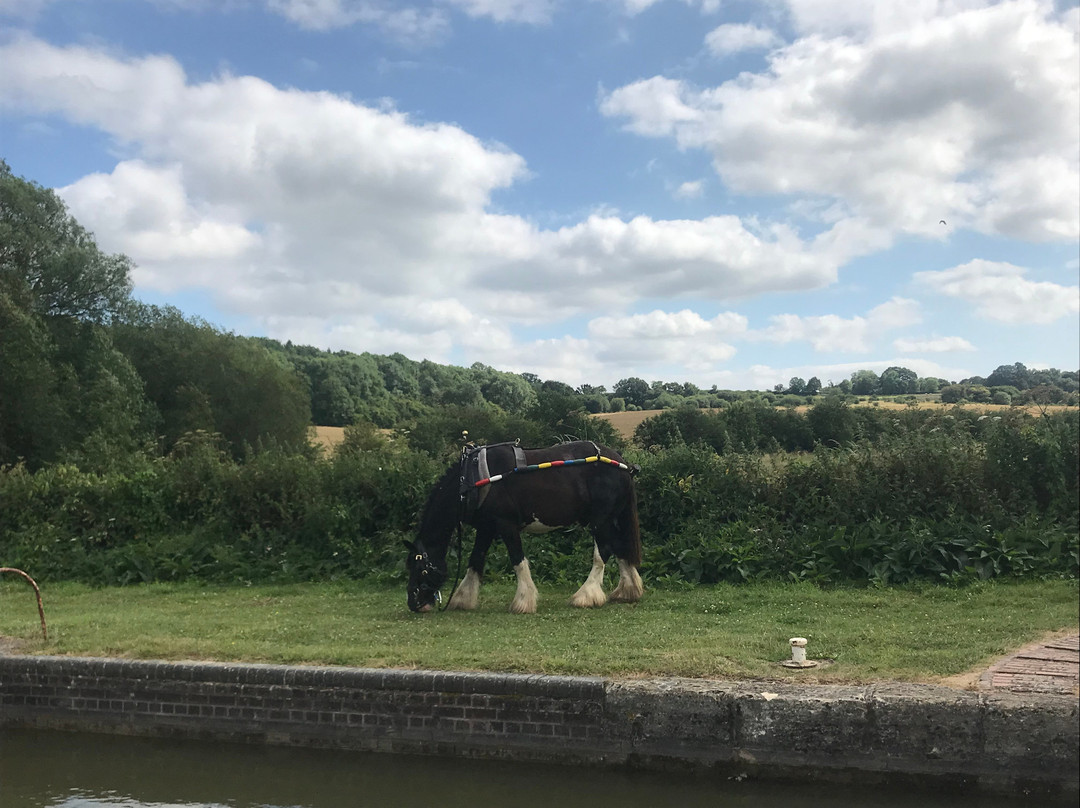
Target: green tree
{"x":50,"y":257}
{"x":65,"y":392}
{"x":1016,"y":375}
{"x":632,"y":390}
{"x":33,"y":415}
{"x":506,"y":390}
{"x":897,"y":381}
{"x":865,"y":383}
{"x":198,"y":377}
{"x":832,"y":421}
{"x":596,"y":403}
{"x":844,"y":387}
{"x":332,"y":403}
{"x":952,"y":393}
{"x":1045,"y":394}
{"x":662,"y":401}
{"x":399,"y":375}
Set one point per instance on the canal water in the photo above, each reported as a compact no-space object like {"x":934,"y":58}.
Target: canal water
{"x":70,"y":770}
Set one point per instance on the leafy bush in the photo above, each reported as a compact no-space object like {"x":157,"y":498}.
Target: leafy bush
{"x":930,"y":497}
{"x":951,"y":498}
{"x":201,"y":514}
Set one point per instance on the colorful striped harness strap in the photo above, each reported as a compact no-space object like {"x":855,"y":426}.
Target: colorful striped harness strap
{"x":597,"y":458}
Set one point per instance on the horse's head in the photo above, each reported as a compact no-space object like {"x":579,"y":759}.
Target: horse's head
{"x":425,"y":578}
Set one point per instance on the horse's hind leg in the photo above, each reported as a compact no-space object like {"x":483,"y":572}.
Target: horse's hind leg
{"x":627,"y":548}
{"x":591,"y":592}
{"x":630,"y":587}
{"x":610,"y":541}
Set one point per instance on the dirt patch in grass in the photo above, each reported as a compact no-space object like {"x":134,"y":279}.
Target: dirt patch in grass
{"x":11,"y":645}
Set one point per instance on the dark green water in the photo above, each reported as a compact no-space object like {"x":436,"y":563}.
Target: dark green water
{"x":71,"y":770}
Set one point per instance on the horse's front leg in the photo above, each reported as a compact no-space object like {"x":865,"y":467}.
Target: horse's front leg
{"x":467,"y":594}
{"x":591,"y":592}
{"x":524,"y":601}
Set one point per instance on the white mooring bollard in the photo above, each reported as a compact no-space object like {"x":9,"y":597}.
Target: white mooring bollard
{"x":798,"y":655}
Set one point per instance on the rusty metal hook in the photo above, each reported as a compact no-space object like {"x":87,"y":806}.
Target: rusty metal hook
{"x":40,"y":608}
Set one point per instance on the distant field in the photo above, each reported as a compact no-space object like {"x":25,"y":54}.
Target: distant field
{"x":627,"y":422}
{"x":327,"y":437}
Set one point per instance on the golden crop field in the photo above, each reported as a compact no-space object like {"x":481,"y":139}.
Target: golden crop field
{"x":627,"y":422}
{"x":327,"y":437}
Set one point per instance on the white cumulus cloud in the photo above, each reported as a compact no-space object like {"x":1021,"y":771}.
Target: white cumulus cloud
{"x":289,"y":205}
{"x":148,"y":210}
{"x":933,"y":345}
{"x":830,"y":332}
{"x":666,"y":338}
{"x":519,"y":11}
{"x":1000,"y":291}
{"x":966,"y":112}
{"x":732,"y":38}
{"x":691,"y":189}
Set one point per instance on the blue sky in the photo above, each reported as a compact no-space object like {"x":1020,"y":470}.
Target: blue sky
{"x":728,"y":193}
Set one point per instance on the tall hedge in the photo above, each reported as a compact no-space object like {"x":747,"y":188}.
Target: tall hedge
{"x":947,"y":499}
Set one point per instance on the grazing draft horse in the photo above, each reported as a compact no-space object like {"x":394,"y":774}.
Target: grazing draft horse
{"x":502,"y":491}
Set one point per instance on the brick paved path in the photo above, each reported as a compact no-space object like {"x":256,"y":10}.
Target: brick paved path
{"x":1048,"y":667}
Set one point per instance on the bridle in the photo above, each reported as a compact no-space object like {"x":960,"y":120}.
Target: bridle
{"x":431,"y":578}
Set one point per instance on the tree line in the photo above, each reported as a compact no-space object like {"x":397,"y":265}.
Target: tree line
{"x":139,"y":444}
{"x":89,"y":375}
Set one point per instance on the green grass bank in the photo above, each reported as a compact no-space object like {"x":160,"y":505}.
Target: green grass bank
{"x":918,"y":633}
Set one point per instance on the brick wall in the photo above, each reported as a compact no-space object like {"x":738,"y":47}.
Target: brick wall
{"x":542,"y":717}
{"x":999,"y":742}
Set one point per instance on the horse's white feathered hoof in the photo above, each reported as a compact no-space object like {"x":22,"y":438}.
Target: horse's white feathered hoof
{"x":625,"y":594}
{"x":523,"y":605}
{"x":467,"y":595}
{"x":525,"y":597}
{"x":589,"y":596}
{"x":630,"y":588}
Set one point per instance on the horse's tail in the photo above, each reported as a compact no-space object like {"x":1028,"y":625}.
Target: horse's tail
{"x":633,"y":531}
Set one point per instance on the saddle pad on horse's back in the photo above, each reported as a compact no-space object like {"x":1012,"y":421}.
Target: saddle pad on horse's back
{"x":477,"y":466}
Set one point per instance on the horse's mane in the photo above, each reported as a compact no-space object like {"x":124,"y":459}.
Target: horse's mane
{"x":441,"y":513}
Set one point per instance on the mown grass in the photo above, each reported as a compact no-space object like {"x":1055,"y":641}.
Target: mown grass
{"x":922,"y":633}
